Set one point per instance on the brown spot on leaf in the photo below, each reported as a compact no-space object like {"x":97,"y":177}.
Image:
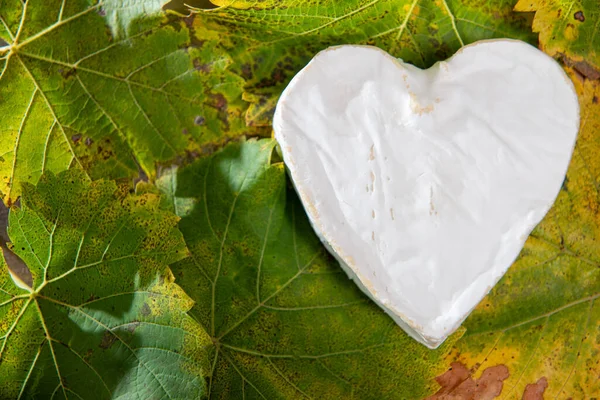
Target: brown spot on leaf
{"x":107,"y":339}
{"x":535,"y":391}
{"x":578,"y":76}
{"x":131,"y":327}
{"x":278,"y":76}
{"x":579,"y":16}
{"x":87,"y":355}
{"x":586,"y":70}
{"x":246,"y":71}
{"x":66,"y":74}
{"x":189,"y":20}
{"x":595,"y":99}
{"x":457,"y":383}
{"x":202,"y":67}
{"x":88,"y":142}
{"x":146,"y":310}
{"x":220,"y":103}
{"x":76,"y":138}
{"x":199,"y":120}
{"x":583,"y":68}
{"x":92,"y":298}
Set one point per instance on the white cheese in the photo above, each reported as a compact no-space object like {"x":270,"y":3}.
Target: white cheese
{"x":425,"y":184}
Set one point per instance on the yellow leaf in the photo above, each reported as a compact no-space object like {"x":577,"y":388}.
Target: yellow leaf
{"x":568,"y":30}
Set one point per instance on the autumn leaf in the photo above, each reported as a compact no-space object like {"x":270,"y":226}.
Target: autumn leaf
{"x":102,"y":317}
{"x":543,"y":319}
{"x":270,"y":41}
{"x":104,"y":88}
{"x":457,"y":383}
{"x":285,"y":319}
{"x":72,"y":94}
{"x":568,"y":30}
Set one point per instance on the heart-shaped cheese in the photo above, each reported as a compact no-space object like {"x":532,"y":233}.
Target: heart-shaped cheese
{"x":425,"y":184}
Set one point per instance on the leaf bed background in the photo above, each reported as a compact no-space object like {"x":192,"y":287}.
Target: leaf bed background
{"x":93,"y":91}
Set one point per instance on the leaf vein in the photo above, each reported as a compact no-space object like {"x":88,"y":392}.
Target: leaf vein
{"x":100,"y":324}
{"x":244,"y":379}
{"x":285,"y":378}
{"x":30,"y":371}
{"x":583,"y":333}
{"x":530,"y":357}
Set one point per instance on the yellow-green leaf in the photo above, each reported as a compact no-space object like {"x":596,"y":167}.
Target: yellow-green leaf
{"x":72,"y":93}
{"x":569,"y":30}
{"x":101,"y":317}
{"x":270,"y":41}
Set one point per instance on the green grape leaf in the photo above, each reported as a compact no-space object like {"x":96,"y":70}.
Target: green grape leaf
{"x":271,"y":41}
{"x":542,"y":320}
{"x":72,"y":94}
{"x":286,"y":321}
{"x":568,"y":30}
{"x":101,"y":317}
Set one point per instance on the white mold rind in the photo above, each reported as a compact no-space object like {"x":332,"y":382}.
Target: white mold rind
{"x":425,"y":184}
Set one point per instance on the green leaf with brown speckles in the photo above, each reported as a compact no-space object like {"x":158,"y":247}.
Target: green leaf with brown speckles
{"x":270,"y":41}
{"x":286,"y":320}
{"x":102,"y":318}
{"x":72,"y":93}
